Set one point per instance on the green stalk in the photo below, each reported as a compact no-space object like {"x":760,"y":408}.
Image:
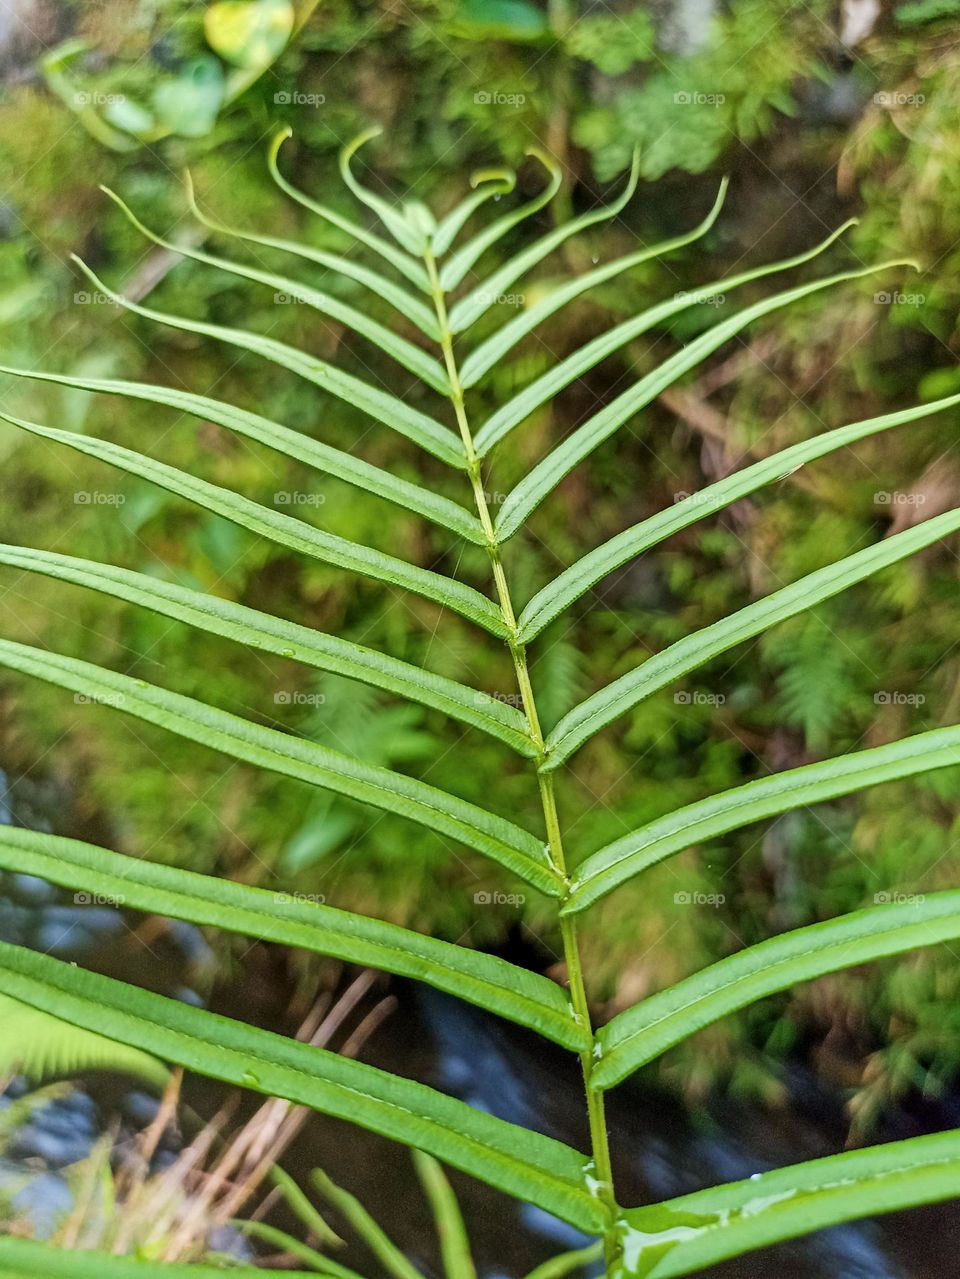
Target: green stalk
{"x":599,"y":1139}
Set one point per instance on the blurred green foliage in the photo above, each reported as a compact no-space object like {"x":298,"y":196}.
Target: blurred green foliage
{"x":131,"y":92}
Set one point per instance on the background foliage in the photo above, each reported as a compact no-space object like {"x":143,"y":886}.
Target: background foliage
{"x":812,"y":130}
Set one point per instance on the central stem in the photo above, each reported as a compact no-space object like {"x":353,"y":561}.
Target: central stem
{"x":568,"y":929}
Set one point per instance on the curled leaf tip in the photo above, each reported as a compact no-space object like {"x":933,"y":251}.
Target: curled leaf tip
{"x":505,"y":176}
{"x":361,"y":139}
{"x":911,"y":262}
{"x":276,"y":142}
{"x":544,"y":156}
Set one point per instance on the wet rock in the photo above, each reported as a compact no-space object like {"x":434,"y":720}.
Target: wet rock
{"x":31,"y":890}
{"x":57,"y":1150}
{"x":231,"y":1243}
{"x":41,"y":1202}
{"x":187,"y":996}
{"x":140,"y":1108}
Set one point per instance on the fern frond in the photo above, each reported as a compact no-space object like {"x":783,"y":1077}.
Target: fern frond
{"x":407,"y":266}
{"x":292,"y":757}
{"x":402,"y":300}
{"x":540,"y":482}
{"x":410,"y":357}
{"x":666,"y":1018}
{"x":456,"y":267}
{"x":517,"y":409}
{"x":503,"y":988}
{"x":754,"y":801}
{"x":41,"y":1046}
{"x":293,"y":444}
{"x":526,"y":1164}
{"x":286,"y":639}
{"x":550,"y":602}
{"x":687,"y":654}
{"x":423,"y":430}
{"x":476,"y":303}
{"x":489,"y":353}
{"x":657,"y":1241}
{"x":280,"y":528}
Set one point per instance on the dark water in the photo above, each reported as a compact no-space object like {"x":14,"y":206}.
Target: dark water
{"x":660,"y":1149}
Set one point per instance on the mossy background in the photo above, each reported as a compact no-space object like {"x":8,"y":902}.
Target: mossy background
{"x":812,"y":131}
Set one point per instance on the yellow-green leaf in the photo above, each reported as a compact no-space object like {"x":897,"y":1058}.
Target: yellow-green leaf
{"x":249,"y":33}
